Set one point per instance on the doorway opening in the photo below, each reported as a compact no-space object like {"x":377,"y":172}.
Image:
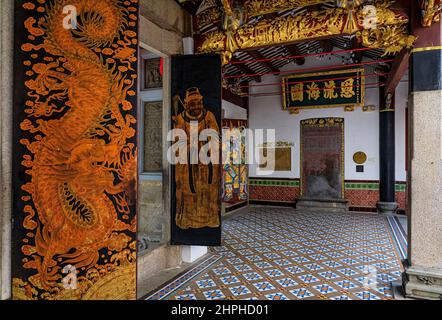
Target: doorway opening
{"x":152,"y":218}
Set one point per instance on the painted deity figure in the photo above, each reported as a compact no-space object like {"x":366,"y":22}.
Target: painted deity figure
{"x":235,"y":168}
{"x":197,"y":185}
{"x":243,"y":170}
{"x":230,"y":153}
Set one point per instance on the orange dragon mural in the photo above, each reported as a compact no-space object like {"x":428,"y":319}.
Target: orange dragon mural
{"x":75,"y":113}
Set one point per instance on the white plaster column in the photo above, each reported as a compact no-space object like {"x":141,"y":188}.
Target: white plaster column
{"x":188,"y":45}
{"x":6,"y":78}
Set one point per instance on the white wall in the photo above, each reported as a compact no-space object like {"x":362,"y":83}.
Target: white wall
{"x":232,"y":111}
{"x":361,"y":128}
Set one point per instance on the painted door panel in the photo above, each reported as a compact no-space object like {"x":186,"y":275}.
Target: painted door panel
{"x":75,"y":164}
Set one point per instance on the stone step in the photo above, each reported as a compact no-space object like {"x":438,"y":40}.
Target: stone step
{"x":330,"y":205}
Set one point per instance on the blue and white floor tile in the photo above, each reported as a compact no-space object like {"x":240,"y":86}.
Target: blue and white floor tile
{"x":284,"y":254}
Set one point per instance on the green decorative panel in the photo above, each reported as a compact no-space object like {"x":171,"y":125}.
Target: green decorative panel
{"x":400,"y":187}
{"x":362,"y":186}
{"x":274,"y":183}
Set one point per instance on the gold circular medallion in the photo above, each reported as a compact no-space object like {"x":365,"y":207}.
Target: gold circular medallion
{"x":359,"y":157}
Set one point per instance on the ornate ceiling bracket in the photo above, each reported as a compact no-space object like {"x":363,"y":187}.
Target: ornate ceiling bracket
{"x":375,"y":26}
{"x":430,"y":11}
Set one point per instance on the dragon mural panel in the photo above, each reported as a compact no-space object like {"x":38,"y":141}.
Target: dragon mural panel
{"x":75,"y":155}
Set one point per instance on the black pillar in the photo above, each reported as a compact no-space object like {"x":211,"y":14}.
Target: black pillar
{"x":387,"y":155}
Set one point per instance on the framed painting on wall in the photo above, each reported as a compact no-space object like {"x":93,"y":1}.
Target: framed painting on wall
{"x":276,"y":157}
{"x":281,"y":162}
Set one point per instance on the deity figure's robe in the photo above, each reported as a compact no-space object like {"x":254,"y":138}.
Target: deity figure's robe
{"x":197,"y":185}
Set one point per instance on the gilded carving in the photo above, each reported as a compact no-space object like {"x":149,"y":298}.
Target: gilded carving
{"x":209,"y":17}
{"x":389,"y":30}
{"x":259,"y":7}
{"x":322,"y":122}
{"x":431,"y":11}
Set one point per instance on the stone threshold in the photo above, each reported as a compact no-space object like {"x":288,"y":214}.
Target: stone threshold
{"x":165,"y":277}
{"x":332,"y":205}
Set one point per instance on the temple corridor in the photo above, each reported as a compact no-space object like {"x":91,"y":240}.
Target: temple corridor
{"x":286,"y":254}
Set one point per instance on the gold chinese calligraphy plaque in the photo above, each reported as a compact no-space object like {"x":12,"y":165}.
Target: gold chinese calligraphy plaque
{"x":339,"y":88}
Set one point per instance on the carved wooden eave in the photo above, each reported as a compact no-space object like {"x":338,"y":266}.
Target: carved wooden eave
{"x":256,"y":8}
{"x":212,"y":14}
{"x":208,"y":17}
{"x":430,"y":11}
{"x":380,"y":26}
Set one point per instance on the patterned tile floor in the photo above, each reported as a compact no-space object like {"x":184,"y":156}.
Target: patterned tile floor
{"x":283,"y":254}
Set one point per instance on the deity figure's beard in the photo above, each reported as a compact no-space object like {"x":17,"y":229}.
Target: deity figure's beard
{"x":195,"y":110}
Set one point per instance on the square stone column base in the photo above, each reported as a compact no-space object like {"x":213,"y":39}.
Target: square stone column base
{"x":422,"y":283}
{"x":190,"y":254}
{"x":328,"y":205}
{"x":387,"y":208}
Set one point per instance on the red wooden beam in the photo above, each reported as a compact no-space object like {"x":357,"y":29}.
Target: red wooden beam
{"x":302,"y":55}
{"x":242,"y":102}
{"x":366,"y":63}
{"x":398,"y":69}
{"x":246,"y":70}
{"x":357,"y":54}
{"x":326,"y":45}
{"x":255,"y":54}
{"x":294,"y":51}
